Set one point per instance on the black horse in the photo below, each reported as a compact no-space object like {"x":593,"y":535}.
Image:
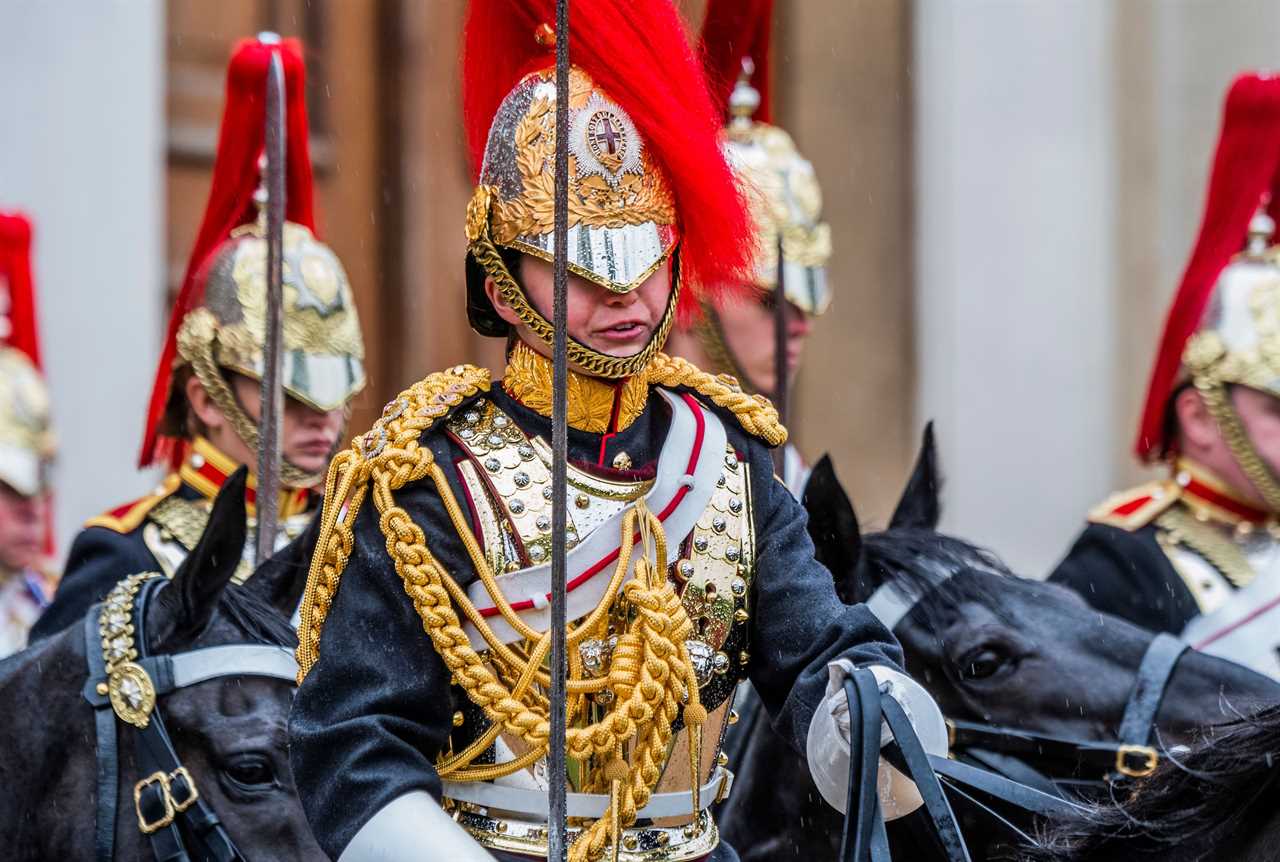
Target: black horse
{"x":1220,"y":800}
{"x":229,"y":732}
{"x":991,"y":648}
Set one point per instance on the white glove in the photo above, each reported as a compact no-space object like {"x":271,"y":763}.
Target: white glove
{"x":827,"y":746}
{"x":413,"y":828}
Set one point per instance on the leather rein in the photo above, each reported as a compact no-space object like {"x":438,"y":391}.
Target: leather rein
{"x":123,"y":687}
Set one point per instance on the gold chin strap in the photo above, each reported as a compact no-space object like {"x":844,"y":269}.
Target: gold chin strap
{"x":195,"y":344}
{"x":593,"y":362}
{"x":711,"y":336}
{"x":1260,"y":475}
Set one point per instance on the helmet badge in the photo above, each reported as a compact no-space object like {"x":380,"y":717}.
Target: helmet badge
{"x":604,"y":141}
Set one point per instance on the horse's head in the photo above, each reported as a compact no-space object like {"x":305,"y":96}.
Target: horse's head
{"x":230,"y":732}
{"x":999,"y":649}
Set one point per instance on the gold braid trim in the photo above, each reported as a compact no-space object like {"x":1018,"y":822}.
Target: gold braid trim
{"x":1182,"y":528}
{"x":757,"y":416}
{"x":651,"y":673}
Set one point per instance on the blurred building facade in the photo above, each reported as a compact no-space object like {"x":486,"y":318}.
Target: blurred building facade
{"x":1012,"y":188}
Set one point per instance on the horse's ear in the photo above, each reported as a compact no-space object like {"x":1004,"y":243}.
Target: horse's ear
{"x":281,"y":580}
{"x":919,"y":507}
{"x":193,"y":596}
{"x":833,"y":526}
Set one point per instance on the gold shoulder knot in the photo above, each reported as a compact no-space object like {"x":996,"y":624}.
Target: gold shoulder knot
{"x":755,"y":413}
{"x":127,"y":518}
{"x":386,"y":457}
{"x":1135,"y":508}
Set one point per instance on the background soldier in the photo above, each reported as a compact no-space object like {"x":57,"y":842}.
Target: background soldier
{"x":26,"y":445}
{"x":737,"y":336}
{"x":205,"y":404}
{"x":425,"y":623}
{"x":1198,"y":554}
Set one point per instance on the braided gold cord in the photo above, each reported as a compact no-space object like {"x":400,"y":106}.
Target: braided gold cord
{"x":755,"y":413}
{"x":650,"y":674}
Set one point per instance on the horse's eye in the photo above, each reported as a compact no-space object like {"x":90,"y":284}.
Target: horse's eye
{"x":981,"y":663}
{"x":250,"y":772}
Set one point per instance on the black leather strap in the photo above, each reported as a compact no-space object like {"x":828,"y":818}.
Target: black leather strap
{"x":859,"y":839}
{"x":1148,"y":689}
{"x":108,"y":760}
{"x":920,"y":770}
{"x":1002,"y":788}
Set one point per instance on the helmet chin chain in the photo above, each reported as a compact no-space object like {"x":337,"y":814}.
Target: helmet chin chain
{"x":711,"y":337}
{"x":591,"y":361}
{"x":195,"y":344}
{"x":1259,"y":473}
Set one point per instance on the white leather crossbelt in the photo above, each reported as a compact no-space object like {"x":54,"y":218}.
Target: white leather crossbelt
{"x":533,"y":803}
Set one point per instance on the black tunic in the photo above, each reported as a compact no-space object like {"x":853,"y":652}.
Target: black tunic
{"x":376,"y":709}
{"x":99,"y":558}
{"x":1127,"y":573}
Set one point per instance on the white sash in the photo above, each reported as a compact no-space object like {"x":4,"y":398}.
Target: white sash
{"x":1245,"y":629}
{"x":692,"y":457}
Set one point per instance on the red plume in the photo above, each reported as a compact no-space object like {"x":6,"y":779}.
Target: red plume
{"x":1245,"y":168}
{"x":638,"y":52}
{"x":18,"y":322}
{"x":733,"y":30}
{"x":235,"y":178}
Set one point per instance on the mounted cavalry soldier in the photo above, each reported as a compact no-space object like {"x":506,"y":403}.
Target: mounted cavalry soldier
{"x":787,"y":289}
{"x":27,"y":445}
{"x":424,"y":701}
{"x":206,"y":403}
{"x":1198,"y":553}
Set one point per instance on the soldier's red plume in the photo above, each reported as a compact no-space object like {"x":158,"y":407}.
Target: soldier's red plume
{"x":18,"y":320}
{"x":638,"y":52}
{"x":732,"y":30}
{"x":235,"y":178}
{"x":1246,"y":167}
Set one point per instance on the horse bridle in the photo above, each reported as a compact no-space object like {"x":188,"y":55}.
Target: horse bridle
{"x":1131,"y":756}
{"x":123,"y":687}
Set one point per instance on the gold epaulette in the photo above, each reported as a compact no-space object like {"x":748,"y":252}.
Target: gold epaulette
{"x":755,"y":413}
{"x":389,"y":449}
{"x":126,"y":518}
{"x":1135,"y":508}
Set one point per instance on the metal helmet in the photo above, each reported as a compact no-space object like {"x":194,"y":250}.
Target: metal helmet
{"x":217,"y":324}
{"x":322,"y":363}
{"x":1223,"y":328}
{"x":27,"y":444}
{"x":647,"y":180}
{"x":784,"y":199}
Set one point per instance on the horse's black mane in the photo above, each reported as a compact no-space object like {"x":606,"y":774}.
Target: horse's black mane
{"x":916,"y":560}
{"x":1196,"y":803}
{"x":256,"y":617}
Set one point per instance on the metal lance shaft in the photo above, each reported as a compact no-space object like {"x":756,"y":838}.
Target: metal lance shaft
{"x":272,"y":410}
{"x":557,"y":819}
{"x":781,"y":312}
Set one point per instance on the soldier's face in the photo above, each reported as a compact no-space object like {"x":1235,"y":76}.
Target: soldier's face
{"x":307,"y":436}
{"x":1260,"y":413}
{"x":748,"y":326}
{"x":21,"y":528}
{"x":1201,"y":439}
{"x":615,"y":324}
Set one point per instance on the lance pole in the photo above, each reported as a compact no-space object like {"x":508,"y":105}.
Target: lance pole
{"x":557,"y":820}
{"x":781,"y":311}
{"x":272,"y":409}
